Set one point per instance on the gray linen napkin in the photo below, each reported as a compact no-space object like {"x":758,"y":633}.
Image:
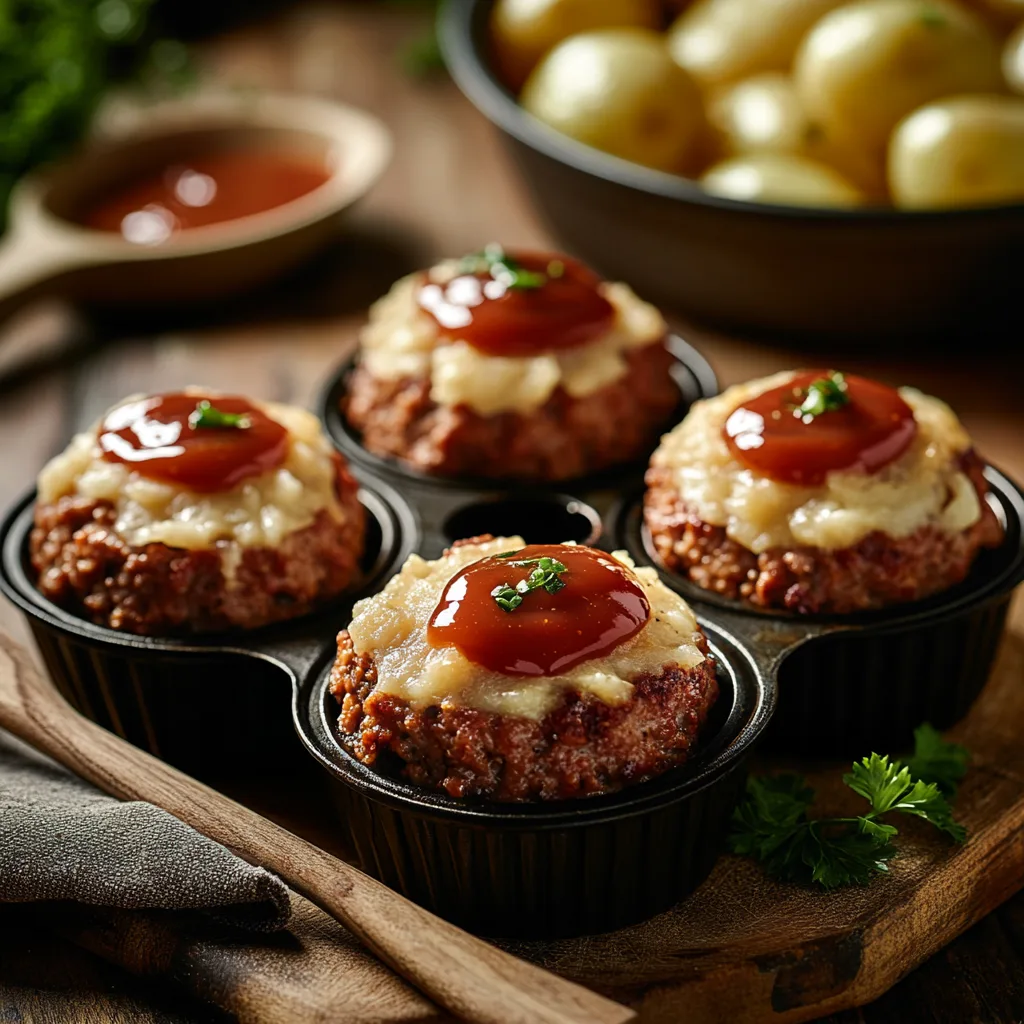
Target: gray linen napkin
{"x":62,"y":839}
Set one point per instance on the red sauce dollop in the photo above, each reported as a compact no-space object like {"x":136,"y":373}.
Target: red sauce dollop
{"x":601,"y":606}
{"x":208,"y":188}
{"x":154,"y":437}
{"x":875,"y":427}
{"x":482,"y":310}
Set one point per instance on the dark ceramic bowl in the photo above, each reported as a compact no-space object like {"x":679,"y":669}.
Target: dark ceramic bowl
{"x":858,"y":274}
{"x":856,"y":683}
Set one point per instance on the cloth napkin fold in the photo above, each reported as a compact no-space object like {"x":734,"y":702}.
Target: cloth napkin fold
{"x":62,"y":839}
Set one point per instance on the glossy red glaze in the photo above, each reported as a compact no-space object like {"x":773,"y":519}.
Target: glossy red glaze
{"x":208,"y":188}
{"x":601,"y":606}
{"x":482,"y":310}
{"x":155,"y":438}
{"x":875,"y":427}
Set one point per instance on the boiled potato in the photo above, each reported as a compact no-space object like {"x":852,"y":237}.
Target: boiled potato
{"x":763,"y":114}
{"x":759,"y":114}
{"x":780,"y":178}
{"x":524,"y":30}
{"x":867,"y":65}
{"x":724,"y":40}
{"x":620,"y":91}
{"x":963,"y":151}
{"x":1013,"y":59}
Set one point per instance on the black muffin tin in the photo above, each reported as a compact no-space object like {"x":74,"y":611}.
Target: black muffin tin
{"x":216,"y":705}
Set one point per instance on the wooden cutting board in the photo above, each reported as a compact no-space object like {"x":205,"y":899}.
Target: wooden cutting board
{"x":741,"y":950}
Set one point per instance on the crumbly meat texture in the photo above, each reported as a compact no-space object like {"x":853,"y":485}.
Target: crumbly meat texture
{"x":581,"y":748}
{"x":566,"y":437}
{"x":876,"y":572}
{"x":84,"y":566}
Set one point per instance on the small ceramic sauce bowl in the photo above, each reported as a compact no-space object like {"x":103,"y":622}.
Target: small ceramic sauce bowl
{"x":47,"y":248}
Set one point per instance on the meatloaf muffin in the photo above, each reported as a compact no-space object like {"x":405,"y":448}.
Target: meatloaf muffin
{"x":521,"y":367}
{"x":819,"y":493}
{"x":574,"y":674}
{"x":195,"y":511}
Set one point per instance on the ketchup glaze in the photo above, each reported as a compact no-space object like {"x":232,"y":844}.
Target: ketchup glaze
{"x":600,"y":606}
{"x":768,"y":434}
{"x":486,"y":310}
{"x":155,"y":436}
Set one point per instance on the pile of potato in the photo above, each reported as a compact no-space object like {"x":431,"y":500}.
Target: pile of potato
{"x":917,"y":103}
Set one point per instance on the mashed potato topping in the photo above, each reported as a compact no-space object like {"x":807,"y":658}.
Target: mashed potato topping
{"x":258,"y":512}
{"x":401,"y":340}
{"x":392,"y":627}
{"x":924,"y":486}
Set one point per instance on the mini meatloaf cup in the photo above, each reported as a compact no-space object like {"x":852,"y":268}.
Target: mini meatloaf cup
{"x":545,"y":398}
{"x":158,"y":556}
{"x":454,"y":724}
{"x":543,"y":805}
{"x":895,"y":581}
{"x":855,"y":542}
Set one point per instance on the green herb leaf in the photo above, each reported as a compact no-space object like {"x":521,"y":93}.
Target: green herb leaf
{"x":847,"y":854}
{"x":506,"y":597}
{"x":774,"y":808}
{"x":879,"y":781}
{"x":207,"y":415}
{"x":925,"y":801}
{"x":826,"y":394}
{"x":935,"y":760}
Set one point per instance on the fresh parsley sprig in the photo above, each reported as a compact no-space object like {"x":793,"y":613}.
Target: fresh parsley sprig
{"x":206,"y":414}
{"x":772,"y":824}
{"x":823,"y":395}
{"x":544,"y":577}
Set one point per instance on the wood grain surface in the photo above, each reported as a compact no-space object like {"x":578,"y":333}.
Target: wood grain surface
{"x":449,"y":189}
{"x":471,"y":978}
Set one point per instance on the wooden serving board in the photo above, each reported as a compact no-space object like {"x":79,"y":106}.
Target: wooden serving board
{"x":741,"y":950}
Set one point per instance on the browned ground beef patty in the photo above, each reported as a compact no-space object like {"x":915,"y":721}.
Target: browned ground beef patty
{"x":566,"y":437}
{"x":85,"y":567}
{"x":583,"y":747}
{"x":877,"y":571}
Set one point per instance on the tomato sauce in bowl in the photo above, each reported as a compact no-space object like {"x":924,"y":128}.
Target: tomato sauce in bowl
{"x":201,"y":190}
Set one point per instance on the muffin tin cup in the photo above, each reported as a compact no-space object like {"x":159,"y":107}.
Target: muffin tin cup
{"x":852,"y":684}
{"x":215,"y":705}
{"x":557,"y":868}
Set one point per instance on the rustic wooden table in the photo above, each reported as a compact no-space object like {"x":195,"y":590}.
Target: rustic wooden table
{"x":449,"y":189}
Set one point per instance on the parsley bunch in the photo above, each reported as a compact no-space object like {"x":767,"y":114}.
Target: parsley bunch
{"x":772,"y":823}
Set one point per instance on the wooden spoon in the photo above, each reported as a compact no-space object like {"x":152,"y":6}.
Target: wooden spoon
{"x":467,"y":976}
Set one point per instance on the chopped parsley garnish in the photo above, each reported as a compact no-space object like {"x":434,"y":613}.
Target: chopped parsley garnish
{"x":206,"y":414}
{"x":823,"y":395}
{"x":495,"y":261}
{"x":544,"y":577}
{"x":772,"y":825}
